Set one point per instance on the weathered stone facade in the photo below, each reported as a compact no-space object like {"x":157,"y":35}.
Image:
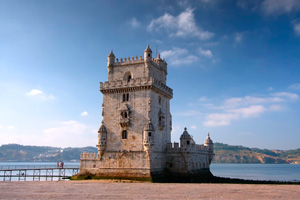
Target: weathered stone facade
{"x":134,"y":140}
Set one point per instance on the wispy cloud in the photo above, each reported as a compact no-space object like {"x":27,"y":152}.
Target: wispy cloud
{"x":238,"y":37}
{"x":179,"y":56}
{"x":134,"y":22}
{"x":75,"y":132}
{"x":183,"y":25}
{"x":295,"y":86}
{"x":40,"y":94}
{"x":288,"y":95}
{"x":296,"y":27}
{"x":248,"y":106}
{"x":7,"y":127}
{"x":205,"y":53}
{"x":84,"y":113}
{"x":278,"y":7}
{"x":193,"y":127}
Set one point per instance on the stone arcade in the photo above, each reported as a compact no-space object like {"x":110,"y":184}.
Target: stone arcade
{"x":134,"y":140}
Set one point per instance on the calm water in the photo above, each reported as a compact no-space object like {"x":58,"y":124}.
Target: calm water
{"x":279,"y":172}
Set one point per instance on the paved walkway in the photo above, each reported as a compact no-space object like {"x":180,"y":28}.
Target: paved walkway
{"x":109,"y":190}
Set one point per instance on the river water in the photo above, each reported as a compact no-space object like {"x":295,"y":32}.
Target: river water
{"x":277,"y":172}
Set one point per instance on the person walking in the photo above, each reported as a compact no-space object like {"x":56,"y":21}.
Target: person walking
{"x":57,"y":164}
{"x":62,"y":164}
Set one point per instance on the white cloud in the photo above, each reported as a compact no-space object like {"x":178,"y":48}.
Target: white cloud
{"x":276,"y":107}
{"x":254,"y":110}
{"x":1,"y":126}
{"x":203,"y":98}
{"x":238,"y":37}
{"x":287,"y":95}
{"x":74,"y":132}
{"x":248,"y":106}
{"x":278,"y":7}
{"x":134,"y":22}
{"x":40,"y":94}
{"x":183,"y":25}
{"x":10,"y":127}
{"x":249,"y":100}
{"x":296,"y":26}
{"x":205,"y":53}
{"x":295,"y":86}
{"x":193,"y":127}
{"x":34,"y":92}
{"x":219,"y":119}
{"x":179,"y":56}
{"x":84,"y":113}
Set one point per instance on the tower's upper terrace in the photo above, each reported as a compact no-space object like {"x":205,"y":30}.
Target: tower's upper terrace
{"x":137,"y":67}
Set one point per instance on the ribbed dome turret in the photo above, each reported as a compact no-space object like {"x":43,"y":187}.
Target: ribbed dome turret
{"x":148,"y":49}
{"x":149,"y":126}
{"x":185,"y":134}
{"x":111,"y":54}
{"x":208,"y":140}
{"x":102,"y":129}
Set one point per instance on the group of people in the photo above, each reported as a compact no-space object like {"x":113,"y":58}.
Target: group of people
{"x":60,"y":165}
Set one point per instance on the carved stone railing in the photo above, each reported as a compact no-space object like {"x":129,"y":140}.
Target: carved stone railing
{"x":174,"y":147}
{"x":122,"y":84}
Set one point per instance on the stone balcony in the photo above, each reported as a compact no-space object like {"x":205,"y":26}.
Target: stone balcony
{"x":134,"y":83}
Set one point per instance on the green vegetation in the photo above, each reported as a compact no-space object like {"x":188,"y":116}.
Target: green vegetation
{"x":224,"y":153}
{"x":16,"y":152}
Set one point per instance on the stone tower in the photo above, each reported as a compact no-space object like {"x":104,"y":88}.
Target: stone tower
{"x":136,"y":125}
{"x":134,"y":139}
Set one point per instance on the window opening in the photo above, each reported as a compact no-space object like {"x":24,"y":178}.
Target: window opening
{"x":149,"y":134}
{"x":124,"y":134}
{"x":127,"y":97}
{"x":129,"y":78}
{"x":188,"y":142}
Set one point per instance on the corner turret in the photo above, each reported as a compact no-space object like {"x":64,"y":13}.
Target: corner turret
{"x":209,"y":143}
{"x":186,"y":140}
{"x":102,"y":135}
{"x":148,"y":54}
{"x":111,"y":58}
{"x":148,"y":135}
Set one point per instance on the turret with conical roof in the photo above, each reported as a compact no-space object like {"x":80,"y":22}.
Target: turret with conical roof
{"x":102,"y":138}
{"x":148,"y":54}
{"x":186,"y":140}
{"x":110,"y":58}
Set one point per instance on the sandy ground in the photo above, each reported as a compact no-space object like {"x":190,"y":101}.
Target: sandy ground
{"x":108,"y":190}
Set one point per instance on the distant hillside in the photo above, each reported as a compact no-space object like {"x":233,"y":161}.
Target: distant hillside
{"x":16,"y":152}
{"x":224,"y":153}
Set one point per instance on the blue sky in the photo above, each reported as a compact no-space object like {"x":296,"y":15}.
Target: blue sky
{"x":233,"y":66}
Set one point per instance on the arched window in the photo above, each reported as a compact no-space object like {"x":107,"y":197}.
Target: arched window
{"x":187,"y":142}
{"x":124,"y":134}
{"x":125,"y":115}
{"x":127,"y":76}
{"x":149,"y":134}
